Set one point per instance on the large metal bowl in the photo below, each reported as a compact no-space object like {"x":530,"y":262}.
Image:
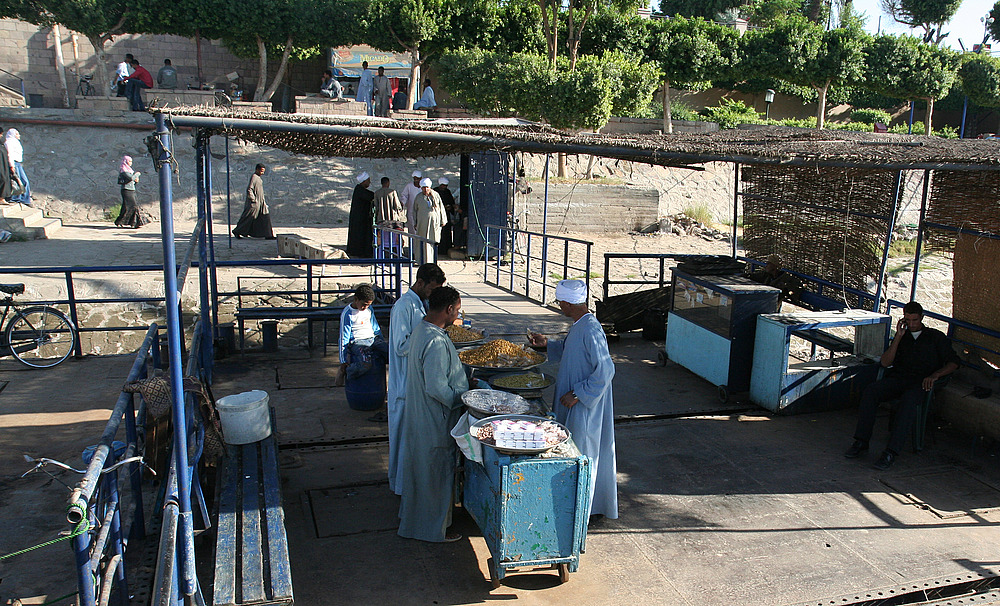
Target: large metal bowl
{"x":483,"y":403}
{"x":545,"y":381}
{"x":474,"y":430}
{"x":464,"y":344}
{"x":496,"y":369}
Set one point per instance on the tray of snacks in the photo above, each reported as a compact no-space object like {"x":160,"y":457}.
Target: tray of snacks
{"x":484,"y":403}
{"x":500,"y":355}
{"x":521,"y":382}
{"x":462,"y":336}
{"x":519,"y":434}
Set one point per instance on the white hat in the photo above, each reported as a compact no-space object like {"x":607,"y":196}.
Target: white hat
{"x":418,"y":174}
{"x":425,"y":183}
{"x":443,"y":181}
{"x":363,"y":177}
{"x":573,"y":292}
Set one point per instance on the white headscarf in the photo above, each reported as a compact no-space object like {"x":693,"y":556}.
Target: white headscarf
{"x":443,"y":181}
{"x":363,"y":177}
{"x":573,"y":292}
{"x":417,"y":174}
{"x":425,"y":183}
{"x":14,"y":150}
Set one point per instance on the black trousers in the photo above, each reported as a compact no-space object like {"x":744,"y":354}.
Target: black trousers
{"x":910,"y":395}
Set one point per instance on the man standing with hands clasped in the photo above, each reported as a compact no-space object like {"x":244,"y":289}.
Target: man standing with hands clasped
{"x":583,"y":386}
{"x":917,"y":357}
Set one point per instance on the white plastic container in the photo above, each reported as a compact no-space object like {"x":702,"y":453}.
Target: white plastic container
{"x":245,"y":417}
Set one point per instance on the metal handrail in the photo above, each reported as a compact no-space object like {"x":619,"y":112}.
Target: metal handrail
{"x":840,"y":288}
{"x":97,"y":491}
{"x":507,"y":246}
{"x":390,"y":244}
{"x":20,"y":80}
{"x":661,"y":280}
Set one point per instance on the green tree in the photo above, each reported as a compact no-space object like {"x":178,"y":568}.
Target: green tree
{"x":980,"y":78}
{"x":690,"y":52}
{"x":518,"y":30}
{"x":189,"y":18}
{"x":904,"y":67}
{"x":616,"y":31}
{"x":929,"y":15}
{"x":803,"y":53}
{"x":707,"y":9}
{"x":425,"y":28}
{"x":993,"y":30}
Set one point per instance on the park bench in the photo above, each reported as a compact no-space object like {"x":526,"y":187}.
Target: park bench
{"x":251,"y":552}
{"x":310,"y":314}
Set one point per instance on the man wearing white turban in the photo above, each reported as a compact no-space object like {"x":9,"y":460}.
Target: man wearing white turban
{"x":361,"y":219}
{"x":410,"y":193}
{"x":583,"y":386}
{"x":430,"y":215}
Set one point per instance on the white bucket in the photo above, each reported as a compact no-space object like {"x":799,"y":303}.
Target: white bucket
{"x":245,"y":417}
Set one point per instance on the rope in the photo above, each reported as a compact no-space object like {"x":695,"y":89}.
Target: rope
{"x":81,"y":528}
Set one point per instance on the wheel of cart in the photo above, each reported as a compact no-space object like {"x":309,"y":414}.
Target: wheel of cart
{"x":724,"y":394}
{"x":562,"y":568}
{"x":661,"y":358}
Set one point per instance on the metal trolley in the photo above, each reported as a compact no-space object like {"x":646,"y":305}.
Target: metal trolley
{"x":532,"y":509}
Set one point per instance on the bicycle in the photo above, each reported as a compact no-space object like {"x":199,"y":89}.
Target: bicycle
{"x":85,"y":88}
{"x":38,"y":336}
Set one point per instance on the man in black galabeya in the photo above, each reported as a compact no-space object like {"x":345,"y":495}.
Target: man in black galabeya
{"x":917,"y":357}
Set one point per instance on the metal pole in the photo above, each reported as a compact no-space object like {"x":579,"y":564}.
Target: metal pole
{"x":204,"y":303}
{"x":71,"y":296}
{"x":229,"y":210}
{"x":135,"y":469}
{"x":920,"y":235}
{"x":736,"y":205}
{"x":213,"y":271}
{"x":186,"y":528}
{"x":84,"y":579}
{"x":545,"y":231}
{"x":965,"y":110}
{"x":910,"y":131}
{"x":888,"y":240}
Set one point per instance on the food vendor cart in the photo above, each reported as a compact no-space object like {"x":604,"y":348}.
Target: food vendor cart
{"x":532,"y":509}
{"x":780,"y":382}
{"x":710,"y":327}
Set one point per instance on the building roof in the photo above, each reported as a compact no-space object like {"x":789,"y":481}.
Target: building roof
{"x":360,"y":136}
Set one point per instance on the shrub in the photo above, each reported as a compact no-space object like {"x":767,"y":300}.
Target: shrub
{"x":730,"y":114}
{"x":870,"y":116}
{"x":698,"y":212}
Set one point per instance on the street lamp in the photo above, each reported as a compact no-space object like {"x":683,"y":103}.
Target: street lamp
{"x":768,"y":100}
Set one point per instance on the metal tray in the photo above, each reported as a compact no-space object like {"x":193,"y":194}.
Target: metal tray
{"x":547,"y":380}
{"x":464,"y":344}
{"x":474,"y":430}
{"x":473,"y":397}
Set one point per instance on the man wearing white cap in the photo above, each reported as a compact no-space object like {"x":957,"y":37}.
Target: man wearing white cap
{"x":583,"y":387}
{"x":410,"y":193}
{"x":362,"y":218}
{"x":430,"y":215}
{"x":451,"y":216}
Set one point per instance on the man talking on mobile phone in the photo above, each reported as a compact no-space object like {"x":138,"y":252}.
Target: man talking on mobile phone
{"x":917,"y":357}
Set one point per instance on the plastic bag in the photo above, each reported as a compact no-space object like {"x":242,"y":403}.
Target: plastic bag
{"x":470,"y":446}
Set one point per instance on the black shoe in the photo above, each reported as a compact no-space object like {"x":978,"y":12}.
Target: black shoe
{"x":856,"y":450}
{"x":885,"y":461}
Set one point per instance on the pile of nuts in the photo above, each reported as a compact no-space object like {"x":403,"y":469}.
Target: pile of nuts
{"x":500,"y":354}
{"x":527,"y":380}
{"x":460,"y":334}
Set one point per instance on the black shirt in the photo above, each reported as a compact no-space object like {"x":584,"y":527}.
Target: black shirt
{"x":922,"y":357}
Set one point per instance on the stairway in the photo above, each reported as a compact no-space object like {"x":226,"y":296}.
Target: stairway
{"x":27,"y":222}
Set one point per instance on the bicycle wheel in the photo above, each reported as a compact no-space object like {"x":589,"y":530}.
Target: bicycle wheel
{"x":40,"y":337}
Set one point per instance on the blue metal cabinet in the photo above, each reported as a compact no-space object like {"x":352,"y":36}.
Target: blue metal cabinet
{"x":781,"y":383}
{"x":710,"y":328}
{"x":532,"y":510}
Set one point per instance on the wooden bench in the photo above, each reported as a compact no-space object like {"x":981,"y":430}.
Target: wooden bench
{"x":310,"y":314}
{"x":251,"y":551}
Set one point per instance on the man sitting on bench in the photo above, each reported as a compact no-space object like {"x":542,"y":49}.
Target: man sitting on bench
{"x":361,"y":340}
{"x":917,"y":357}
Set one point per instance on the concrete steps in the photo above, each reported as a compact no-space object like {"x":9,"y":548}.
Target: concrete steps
{"x":27,"y":222}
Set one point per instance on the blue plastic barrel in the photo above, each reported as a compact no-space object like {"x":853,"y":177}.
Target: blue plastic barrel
{"x":366,"y":392}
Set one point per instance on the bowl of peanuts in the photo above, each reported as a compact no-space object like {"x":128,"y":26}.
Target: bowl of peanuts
{"x":500,"y":355}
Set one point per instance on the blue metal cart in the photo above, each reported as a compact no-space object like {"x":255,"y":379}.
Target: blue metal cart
{"x":531,"y":509}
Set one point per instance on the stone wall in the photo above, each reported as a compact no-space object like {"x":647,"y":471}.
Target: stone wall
{"x":29,"y":52}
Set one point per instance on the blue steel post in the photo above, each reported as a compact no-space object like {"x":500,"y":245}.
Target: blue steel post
{"x":910,"y":130}
{"x":888,"y":239}
{"x":229,"y":209}
{"x":71,"y":297}
{"x":135,"y":469}
{"x":920,"y":235}
{"x":84,"y":579}
{"x":213,"y":270}
{"x":965,"y":110}
{"x":185,"y":534}
{"x":118,"y":541}
{"x":736,"y":212}
{"x":203,"y":299}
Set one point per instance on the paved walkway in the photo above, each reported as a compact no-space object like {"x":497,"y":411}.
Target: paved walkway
{"x":719,"y":504}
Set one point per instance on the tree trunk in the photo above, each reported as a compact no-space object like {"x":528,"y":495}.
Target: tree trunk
{"x":412,"y":94}
{"x":927,"y":119}
{"x":258,"y":95}
{"x":281,"y":70}
{"x":60,"y":64}
{"x":103,"y":81}
{"x":668,"y":119}
{"x":572,"y":43}
{"x":197,"y":46}
{"x":549,"y":40}
{"x":555,"y":34}
{"x":561,"y":171}
{"x":590,"y":168}
{"x":821,"y":104}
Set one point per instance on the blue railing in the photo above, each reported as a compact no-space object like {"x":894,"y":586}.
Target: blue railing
{"x":836,"y":293}
{"x":95,"y":506}
{"x":661,"y":278}
{"x":396,"y":244}
{"x":954,"y":324}
{"x":523,"y":259}
{"x":20,"y":84}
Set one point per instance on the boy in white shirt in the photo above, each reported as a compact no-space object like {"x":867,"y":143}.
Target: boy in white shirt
{"x":361,"y":340}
